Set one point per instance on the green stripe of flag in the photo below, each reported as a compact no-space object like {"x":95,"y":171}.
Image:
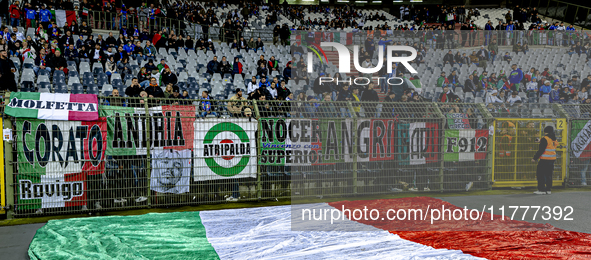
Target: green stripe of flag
{"x":179,"y":235}
{"x":23,"y":112}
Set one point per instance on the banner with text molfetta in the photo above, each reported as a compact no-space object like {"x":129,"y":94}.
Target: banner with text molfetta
{"x":70,"y":107}
{"x":418,"y":143}
{"x":465,"y":145}
{"x":54,"y":158}
{"x":224,"y":149}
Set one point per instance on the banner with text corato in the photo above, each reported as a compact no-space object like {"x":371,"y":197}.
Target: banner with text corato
{"x":225,"y":150}
{"x":70,"y":107}
{"x":54,"y":159}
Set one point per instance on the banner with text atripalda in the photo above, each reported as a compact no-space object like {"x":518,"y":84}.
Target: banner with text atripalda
{"x":224,"y":149}
{"x":302,"y":142}
{"x":54,"y":159}
{"x":167,"y":131}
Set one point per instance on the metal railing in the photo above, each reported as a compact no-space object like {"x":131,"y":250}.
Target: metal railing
{"x":113,"y":21}
{"x":145,"y":152}
{"x":563,"y":11}
{"x":455,"y":39}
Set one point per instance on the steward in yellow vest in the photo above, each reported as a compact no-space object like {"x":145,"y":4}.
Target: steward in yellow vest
{"x":547,"y":156}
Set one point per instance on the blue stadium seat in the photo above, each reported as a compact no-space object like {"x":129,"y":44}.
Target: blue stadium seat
{"x":27,"y":86}
{"x":91,"y":87}
{"x":42,"y":73}
{"x":73,"y":73}
{"x":45,"y":85}
{"x":88,"y":78}
{"x":60,"y":88}
{"x":77,"y":88}
{"x":72,"y":63}
{"x":116,"y":82}
{"x":92,"y":91}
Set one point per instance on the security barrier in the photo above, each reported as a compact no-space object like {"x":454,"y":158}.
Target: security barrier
{"x":516,"y":142}
{"x":143,"y":152}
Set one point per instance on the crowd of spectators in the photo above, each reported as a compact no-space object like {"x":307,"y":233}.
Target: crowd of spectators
{"x":53,"y":47}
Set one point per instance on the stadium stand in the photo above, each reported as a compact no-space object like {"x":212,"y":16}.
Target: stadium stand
{"x":100,"y":63}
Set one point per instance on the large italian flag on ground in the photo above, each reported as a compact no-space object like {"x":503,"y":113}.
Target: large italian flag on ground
{"x":70,"y":107}
{"x":581,"y":136}
{"x":269,"y":233}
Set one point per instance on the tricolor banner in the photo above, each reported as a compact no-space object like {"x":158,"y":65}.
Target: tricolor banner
{"x":62,"y":17}
{"x":581,"y":136}
{"x":343,"y":38}
{"x":422,"y":142}
{"x":70,"y":107}
{"x":54,"y":159}
{"x":170,"y":140}
{"x":465,"y":145}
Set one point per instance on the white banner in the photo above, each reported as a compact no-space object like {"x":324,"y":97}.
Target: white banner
{"x":224,"y":150}
{"x":171,"y":171}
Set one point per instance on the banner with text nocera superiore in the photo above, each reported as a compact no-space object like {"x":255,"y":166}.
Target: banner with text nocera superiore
{"x":309,"y":142}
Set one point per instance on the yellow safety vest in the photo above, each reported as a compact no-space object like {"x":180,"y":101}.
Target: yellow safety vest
{"x":550,"y":152}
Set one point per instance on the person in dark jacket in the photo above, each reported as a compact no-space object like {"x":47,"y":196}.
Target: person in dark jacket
{"x":168,"y":77}
{"x":154,"y":90}
{"x":546,"y":155}
{"x":150,"y":66}
{"x":370,"y":95}
{"x":213,"y":66}
{"x":262,"y":71}
{"x":448,"y":58}
{"x":57,"y":61}
{"x":225,"y":66}
{"x":7,"y":70}
{"x":134,"y":91}
{"x":287,"y":73}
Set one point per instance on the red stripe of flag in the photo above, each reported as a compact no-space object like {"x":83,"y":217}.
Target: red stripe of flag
{"x":84,"y":116}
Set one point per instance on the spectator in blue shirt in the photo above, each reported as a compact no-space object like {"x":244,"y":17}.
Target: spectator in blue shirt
{"x":205,"y":107}
{"x":45,"y":17}
{"x":555,"y":94}
{"x":128,"y":47}
{"x":264,"y":82}
{"x":30,"y":15}
{"x":546,"y":88}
